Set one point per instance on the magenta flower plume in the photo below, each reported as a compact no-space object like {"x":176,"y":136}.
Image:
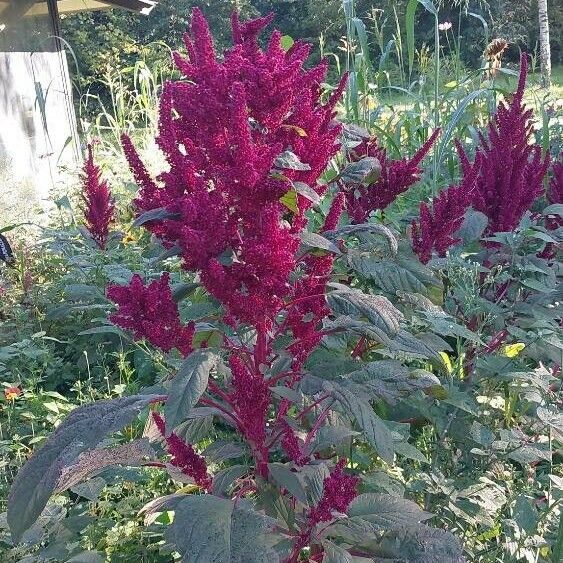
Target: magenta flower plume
{"x":222,"y":131}
{"x":184,"y":456}
{"x":151,"y":313}
{"x":438,"y":224}
{"x":339,"y":490}
{"x":512,"y":168}
{"x":396,"y":177}
{"x":98,"y":205}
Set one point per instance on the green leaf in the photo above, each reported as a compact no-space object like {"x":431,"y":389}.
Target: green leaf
{"x":307,"y":192}
{"x":328,"y":436}
{"x":223,"y":480}
{"x":289,"y":199}
{"x":188,"y":386}
{"x":370,"y":228}
{"x":365,"y":171}
{"x":473,"y":226}
{"x":182,"y":290}
{"x":158,"y":214}
{"x":429,"y":5}
{"x":335,"y":554}
{"x":386,"y":511}
{"x":287,"y":479}
{"x":314,"y":240}
{"x":82,"y":429}
{"x":375,"y":308}
{"x":208,"y":528}
{"x":409,"y":24}
{"x":290,"y":161}
{"x":90,"y":489}
{"x":105,"y":329}
{"x":377,"y":433}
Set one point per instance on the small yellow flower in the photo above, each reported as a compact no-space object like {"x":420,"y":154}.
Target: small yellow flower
{"x":447,"y":361}
{"x":512,"y":350}
{"x":129,"y":238}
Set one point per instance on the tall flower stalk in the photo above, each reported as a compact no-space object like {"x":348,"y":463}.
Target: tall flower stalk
{"x":239,"y":133}
{"x":99,"y":208}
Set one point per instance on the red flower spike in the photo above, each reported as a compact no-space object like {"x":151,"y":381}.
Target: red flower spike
{"x":184,"y":456}
{"x":98,"y":205}
{"x":511,"y":168}
{"x":396,"y":177}
{"x":261,"y":103}
{"x":437,"y":225}
{"x":151,"y":313}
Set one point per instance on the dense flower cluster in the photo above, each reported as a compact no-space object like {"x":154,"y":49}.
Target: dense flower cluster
{"x":511,"y":168}
{"x":151,"y":313}
{"x":437,"y":225}
{"x":339,"y":490}
{"x":554,"y":196}
{"x":98,"y":205}
{"x":396,"y":177}
{"x":184,"y":456}
{"x":222,"y":132}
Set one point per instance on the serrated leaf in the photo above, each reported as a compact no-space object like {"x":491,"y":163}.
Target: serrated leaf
{"x":208,"y":528}
{"x":84,"y":428}
{"x":188,"y":386}
{"x":386,"y":511}
{"x":365,"y":171}
{"x":289,"y":480}
{"x":222,"y":450}
{"x":371,"y":228}
{"x":158,"y":214}
{"x":335,"y":554}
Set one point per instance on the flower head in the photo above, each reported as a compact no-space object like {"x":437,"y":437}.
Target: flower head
{"x":437,"y":225}
{"x":151,"y":313}
{"x":444,"y":26}
{"x":339,"y":490}
{"x":222,"y":131}
{"x":98,"y":205}
{"x":396,"y":177}
{"x":184,"y":456}
{"x":511,"y":167}
{"x":12,"y":393}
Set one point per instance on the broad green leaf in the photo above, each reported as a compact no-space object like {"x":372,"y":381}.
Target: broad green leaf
{"x":182,"y":290}
{"x":328,"y":436}
{"x":289,"y":199}
{"x":289,"y":480}
{"x":377,"y":433}
{"x":90,"y":489}
{"x":290,"y":161}
{"x":158,"y":214}
{"x":365,"y":171}
{"x":366,"y":228}
{"x":83,"y":429}
{"x":105,"y":329}
{"x":314,"y":240}
{"x":335,"y":554}
{"x":409,"y":25}
{"x":473,"y":226}
{"x":211,"y":529}
{"x":307,"y":192}
{"x":286,"y":42}
{"x":386,"y":511}
{"x":375,"y":308}
{"x":188,"y":386}
{"x":223,"y":480}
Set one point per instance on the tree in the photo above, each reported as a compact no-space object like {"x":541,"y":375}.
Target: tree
{"x":545,"y":51}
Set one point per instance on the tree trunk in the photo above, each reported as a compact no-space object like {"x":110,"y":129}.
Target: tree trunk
{"x":545,"y":50}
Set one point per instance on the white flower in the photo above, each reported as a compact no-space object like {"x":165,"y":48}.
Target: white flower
{"x":444,"y":26}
